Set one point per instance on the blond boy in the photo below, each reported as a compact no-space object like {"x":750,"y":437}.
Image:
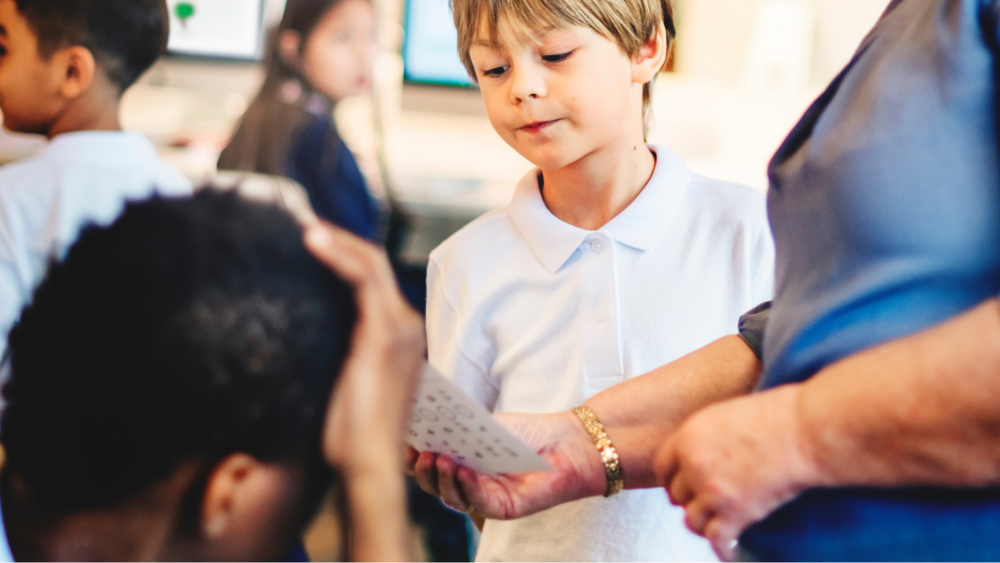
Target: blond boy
{"x":611,"y":259}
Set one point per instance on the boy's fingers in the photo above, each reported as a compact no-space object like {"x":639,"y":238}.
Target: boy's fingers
{"x":357,"y":261}
{"x":365,"y":268}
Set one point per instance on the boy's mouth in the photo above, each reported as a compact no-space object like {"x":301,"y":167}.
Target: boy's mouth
{"x":537,"y":126}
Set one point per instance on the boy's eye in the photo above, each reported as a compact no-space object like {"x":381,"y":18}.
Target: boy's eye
{"x":557,"y":58}
{"x":498,"y":71}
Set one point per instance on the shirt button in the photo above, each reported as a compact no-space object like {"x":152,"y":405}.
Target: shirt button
{"x":597,"y":246}
{"x":601,"y":315}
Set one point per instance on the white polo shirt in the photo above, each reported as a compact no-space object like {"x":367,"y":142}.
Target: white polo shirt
{"x":530,"y":314}
{"x":5,"y":554}
{"x":78,"y":178}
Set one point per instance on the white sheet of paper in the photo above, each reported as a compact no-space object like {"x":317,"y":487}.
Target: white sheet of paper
{"x":444,"y":420}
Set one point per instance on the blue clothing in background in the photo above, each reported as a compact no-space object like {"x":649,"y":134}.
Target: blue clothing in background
{"x":322,"y":163}
{"x":885,"y":207}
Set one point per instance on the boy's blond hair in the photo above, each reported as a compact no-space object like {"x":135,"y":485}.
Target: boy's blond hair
{"x":629,"y":23}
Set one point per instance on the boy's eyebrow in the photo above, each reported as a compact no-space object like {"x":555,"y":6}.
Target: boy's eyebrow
{"x":3,"y":30}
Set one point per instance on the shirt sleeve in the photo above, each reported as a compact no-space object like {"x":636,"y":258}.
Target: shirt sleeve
{"x":446,"y":329}
{"x":752,"y":325}
{"x":12,"y":290}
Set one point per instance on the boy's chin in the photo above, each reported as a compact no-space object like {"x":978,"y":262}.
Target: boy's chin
{"x":551,"y":162}
{"x":549,"y":158}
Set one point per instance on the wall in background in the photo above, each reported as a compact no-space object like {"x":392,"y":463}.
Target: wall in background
{"x":724,"y":124}
{"x":715,"y":34}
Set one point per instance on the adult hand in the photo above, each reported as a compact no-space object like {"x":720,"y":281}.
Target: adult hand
{"x":363,"y":433}
{"x":733,"y":463}
{"x":560,"y":438}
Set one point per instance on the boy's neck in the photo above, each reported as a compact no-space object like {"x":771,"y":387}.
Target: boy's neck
{"x":137,"y":530}
{"x":99,"y":119}
{"x":95,"y":110}
{"x":592,"y":191}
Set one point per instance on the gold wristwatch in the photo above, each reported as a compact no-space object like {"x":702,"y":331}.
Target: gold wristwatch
{"x":612,"y":469}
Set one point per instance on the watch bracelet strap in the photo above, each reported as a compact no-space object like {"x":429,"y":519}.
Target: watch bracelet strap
{"x":612,"y":468}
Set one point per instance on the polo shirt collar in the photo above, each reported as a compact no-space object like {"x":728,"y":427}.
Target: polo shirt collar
{"x":100,"y":146}
{"x":641,"y":225}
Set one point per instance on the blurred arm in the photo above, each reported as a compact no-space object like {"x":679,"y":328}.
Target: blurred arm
{"x":363,"y":435}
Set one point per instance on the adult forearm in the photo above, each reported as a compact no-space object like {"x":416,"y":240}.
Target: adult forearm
{"x":920,"y":410}
{"x":641,"y":413}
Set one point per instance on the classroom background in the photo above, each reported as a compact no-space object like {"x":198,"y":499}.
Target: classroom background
{"x":743,"y":72}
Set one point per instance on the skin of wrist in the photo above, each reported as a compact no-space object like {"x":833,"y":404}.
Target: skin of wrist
{"x":806,"y":435}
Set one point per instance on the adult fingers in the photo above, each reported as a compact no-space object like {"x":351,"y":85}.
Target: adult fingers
{"x":425,"y":471}
{"x":697,"y":515}
{"x":679,"y":491}
{"x":667,"y":463}
{"x":451,"y":491}
{"x":410,"y":457}
{"x":722,"y":534}
{"x":474,"y":493}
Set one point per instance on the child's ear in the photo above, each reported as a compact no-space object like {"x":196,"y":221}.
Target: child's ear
{"x":78,"y":69}
{"x":226,"y":485}
{"x":651,"y":58}
{"x":289,"y":43}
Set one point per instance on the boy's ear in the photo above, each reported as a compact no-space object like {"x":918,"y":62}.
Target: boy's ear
{"x":225,"y":486}
{"x":289,"y":43}
{"x":78,"y":69}
{"x":651,"y":58}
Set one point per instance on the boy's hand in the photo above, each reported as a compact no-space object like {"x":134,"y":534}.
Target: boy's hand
{"x":365,"y":424}
{"x":363,"y":433}
{"x":560,"y":438}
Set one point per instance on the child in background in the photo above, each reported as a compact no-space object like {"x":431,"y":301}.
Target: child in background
{"x":64,"y":65}
{"x":573,"y":287}
{"x":321,"y":52}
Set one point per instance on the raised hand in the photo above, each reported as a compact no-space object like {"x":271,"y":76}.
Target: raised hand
{"x":560,"y":438}
{"x":363,"y":434}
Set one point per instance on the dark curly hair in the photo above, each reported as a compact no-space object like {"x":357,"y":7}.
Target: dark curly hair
{"x":125,"y":36}
{"x":188,"y":329}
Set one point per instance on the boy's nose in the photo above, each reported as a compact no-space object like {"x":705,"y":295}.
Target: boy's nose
{"x":526,"y":85}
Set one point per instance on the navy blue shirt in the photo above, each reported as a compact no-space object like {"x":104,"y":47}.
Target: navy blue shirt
{"x":885,"y":207}
{"x":322,"y":163}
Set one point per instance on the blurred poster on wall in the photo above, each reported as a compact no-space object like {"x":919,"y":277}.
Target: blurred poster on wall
{"x":230,"y":29}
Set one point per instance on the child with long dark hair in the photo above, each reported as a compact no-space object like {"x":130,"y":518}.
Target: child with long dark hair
{"x":321,"y":52}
